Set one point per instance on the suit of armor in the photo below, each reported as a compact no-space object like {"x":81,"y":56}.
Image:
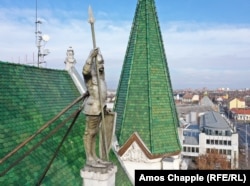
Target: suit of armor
{"x":92,"y":104}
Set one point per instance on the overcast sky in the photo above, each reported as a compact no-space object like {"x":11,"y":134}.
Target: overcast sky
{"x":207,"y":42}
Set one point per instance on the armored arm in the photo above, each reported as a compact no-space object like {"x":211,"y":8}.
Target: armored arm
{"x":87,"y":66}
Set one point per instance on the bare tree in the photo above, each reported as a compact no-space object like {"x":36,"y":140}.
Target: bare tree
{"x":212,"y":160}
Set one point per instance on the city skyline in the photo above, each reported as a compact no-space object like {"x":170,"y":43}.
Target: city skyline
{"x":206,"y":43}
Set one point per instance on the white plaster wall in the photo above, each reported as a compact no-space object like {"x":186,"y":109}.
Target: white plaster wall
{"x":131,"y":166}
{"x":171,"y":163}
{"x":135,"y":159}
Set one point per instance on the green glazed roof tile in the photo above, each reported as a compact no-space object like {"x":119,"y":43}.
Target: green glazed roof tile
{"x":31,"y":97}
{"x":145,"y":102}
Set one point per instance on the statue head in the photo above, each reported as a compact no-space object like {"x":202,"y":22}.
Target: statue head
{"x":100,"y":63}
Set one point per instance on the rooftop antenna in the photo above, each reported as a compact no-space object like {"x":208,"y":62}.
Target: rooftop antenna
{"x":41,"y":40}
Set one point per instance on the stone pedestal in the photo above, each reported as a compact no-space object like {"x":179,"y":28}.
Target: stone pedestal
{"x":98,"y":176}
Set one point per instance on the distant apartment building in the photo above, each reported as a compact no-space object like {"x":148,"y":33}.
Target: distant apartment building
{"x":211,"y":131}
{"x":187,"y":98}
{"x":237,"y":103}
{"x":241,"y":114}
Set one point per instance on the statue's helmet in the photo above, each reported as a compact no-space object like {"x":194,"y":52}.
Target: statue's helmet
{"x":99,"y":58}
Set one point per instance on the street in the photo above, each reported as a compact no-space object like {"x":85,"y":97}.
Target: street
{"x":244,"y":138}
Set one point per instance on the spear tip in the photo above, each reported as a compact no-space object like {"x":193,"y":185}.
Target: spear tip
{"x":91,"y":17}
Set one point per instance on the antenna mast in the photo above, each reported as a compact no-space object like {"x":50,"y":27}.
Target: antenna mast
{"x":41,"y":40}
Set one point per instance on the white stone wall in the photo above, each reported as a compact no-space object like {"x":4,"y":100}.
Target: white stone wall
{"x":135,"y":159}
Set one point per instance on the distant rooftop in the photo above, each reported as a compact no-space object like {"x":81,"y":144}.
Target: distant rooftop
{"x":214,"y":120}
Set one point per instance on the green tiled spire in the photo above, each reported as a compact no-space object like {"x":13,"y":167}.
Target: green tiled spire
{"x":145,"y":102}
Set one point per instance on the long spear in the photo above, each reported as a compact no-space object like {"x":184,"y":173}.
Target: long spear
{"x":103,"y":132}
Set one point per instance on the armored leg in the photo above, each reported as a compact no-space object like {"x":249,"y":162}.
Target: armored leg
{"x":91,"y":131}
